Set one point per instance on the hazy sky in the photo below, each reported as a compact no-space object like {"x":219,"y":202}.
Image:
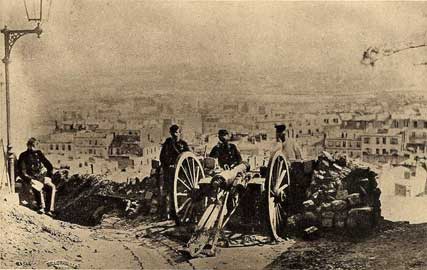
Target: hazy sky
{"x":297,"y":43}
{"x":85,"y":36}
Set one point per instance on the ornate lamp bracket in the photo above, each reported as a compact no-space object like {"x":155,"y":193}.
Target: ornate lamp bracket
{"x":11,"y":36}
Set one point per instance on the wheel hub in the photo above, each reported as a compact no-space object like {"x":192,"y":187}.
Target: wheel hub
{"x":279,"y":197}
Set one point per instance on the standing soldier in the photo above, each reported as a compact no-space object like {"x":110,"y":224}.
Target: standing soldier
{"x":292,"y":153}
{"x":171,"y":149}
{"x":288,"y":146}
{"x":35,"y":169}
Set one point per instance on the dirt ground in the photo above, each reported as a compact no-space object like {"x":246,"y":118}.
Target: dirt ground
{"x":37,"y":241}
{"x":30,"y":240}
{"x":394,"y":245}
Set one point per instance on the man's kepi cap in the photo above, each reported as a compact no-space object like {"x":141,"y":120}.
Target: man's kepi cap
{"x":173,"y":128}
{"x":280,"y":128}
{"x":222,"y":132}
{"x":31,"y":141}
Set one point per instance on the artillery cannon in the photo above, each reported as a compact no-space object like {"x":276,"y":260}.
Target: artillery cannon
{"x":209,"y":196}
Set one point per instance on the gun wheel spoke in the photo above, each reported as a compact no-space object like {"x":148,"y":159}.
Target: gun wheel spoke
{"x":187,"y":196}
{"x":277,"y":184}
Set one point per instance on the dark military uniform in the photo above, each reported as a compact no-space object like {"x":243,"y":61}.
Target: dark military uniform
{"x":34,"y":168}
{"x":30,"y":166}
{"x":227,"y":154}
{"x":171,"y":149}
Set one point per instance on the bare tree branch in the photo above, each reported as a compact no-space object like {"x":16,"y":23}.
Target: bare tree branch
{"x":373,"y":54}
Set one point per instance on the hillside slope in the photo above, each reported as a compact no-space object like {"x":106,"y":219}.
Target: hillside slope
{"x":393,"y":246}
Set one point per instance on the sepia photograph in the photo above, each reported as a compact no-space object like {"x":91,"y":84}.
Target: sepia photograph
{"x":213,"y":135}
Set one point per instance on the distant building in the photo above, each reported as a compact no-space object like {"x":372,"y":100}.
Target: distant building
{"x":61,"y":144}
{"x":132,"y":155}
{"x":92,"y":143}
{"x":210,"y":124}
{"x":150,"y":152}
{"x":71,"y":115}
{"x":127,"y":144}
{"x":346,"y":140}
{"x":367,"y":137}
{"x":348,"y":147}
{"x":108,"y":114}
{"x":407,"y":179}
{"x":192,"y":126}
{"x":84,"y":164}
{"x":383,"y":146}
{"x":332,"y":119}
{"x":151,"y":133}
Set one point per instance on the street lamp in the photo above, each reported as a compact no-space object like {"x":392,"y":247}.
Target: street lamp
{"x":33,"y":9}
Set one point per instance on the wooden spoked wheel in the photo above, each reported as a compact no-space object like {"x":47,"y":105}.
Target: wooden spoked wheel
{"x":277,"y":187}
{"x":187,"y":198}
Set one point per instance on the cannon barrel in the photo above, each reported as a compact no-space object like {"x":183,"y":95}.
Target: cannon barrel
{"x":228,"y":176}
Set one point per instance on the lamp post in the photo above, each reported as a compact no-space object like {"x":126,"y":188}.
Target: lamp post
{"x":10,"y":38}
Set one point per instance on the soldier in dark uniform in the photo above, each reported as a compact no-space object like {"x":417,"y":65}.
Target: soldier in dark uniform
{"x":171,"y":149}
{"x":36,"y":170}
{"x":227,"y":153}
{"x":229,"y":156}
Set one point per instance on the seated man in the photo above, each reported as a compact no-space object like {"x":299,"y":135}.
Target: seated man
{"x":35,"y":169}
{"x":226,"y":153}
{"x":230,"y":160}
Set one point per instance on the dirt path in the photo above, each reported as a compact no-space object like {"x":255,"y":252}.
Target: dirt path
{"x":37,"y":241}
{"x":242,"y":257}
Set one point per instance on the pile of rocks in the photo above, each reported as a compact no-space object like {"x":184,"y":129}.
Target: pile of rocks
{"x":342,"y":194}
{"x":86,"y":199}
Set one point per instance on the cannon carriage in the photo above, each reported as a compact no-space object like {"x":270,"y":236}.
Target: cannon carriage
{"x":208,"y":195}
